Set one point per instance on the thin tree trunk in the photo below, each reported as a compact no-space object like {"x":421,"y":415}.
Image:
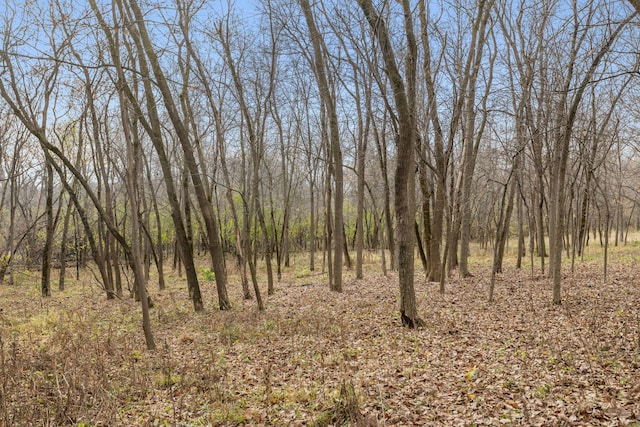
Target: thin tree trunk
{"x":381,"y":146}
{"x":334,"y":141}
{"x":560,"y":159}
{"x":63,"y":247}
{"x":47,"y":249}
{"x":159,"y":247}
{"x":440,"y":156}
{"x":312,"y":227}
{"x":135,"y":256}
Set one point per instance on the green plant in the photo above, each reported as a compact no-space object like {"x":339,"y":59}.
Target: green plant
{"x":166,"y":380}
{"x":4,"y":261}
{"x":302,"y":273}
{"x":208,"y":275}
{"x":543,"y":390}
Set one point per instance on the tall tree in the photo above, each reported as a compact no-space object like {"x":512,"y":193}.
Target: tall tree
{"x":441,"y":155}
{"x":404,"y":97}
{"x":206,"y":208}
{"x":568,"y":109}
{"x":329,"y":103}
{"x":152,"y":126}
{"x":472,"y":132}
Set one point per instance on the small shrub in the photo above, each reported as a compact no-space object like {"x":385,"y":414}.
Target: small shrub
{"x":208,"y":275}
{"x":345,"y":410}
{"x":166,"y":380}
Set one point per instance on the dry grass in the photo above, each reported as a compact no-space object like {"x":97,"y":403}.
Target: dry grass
{"x":320,"y":358}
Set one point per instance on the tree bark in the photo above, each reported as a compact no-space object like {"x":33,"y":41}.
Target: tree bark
{"x":334,"y":141}
{"x":440,"y":158}
{"x":47,"y":249}
{"x":404,"y":97}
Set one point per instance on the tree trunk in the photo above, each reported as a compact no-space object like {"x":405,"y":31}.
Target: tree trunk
{"x":133,"y":154}
{"x":440,"y":157}
{"x":159,"y":247}
{"x":472,"y":136}
{"x":334,"y":141}
{"x":63,"y":247}
{"x":565,"y":124}
{"x":153,"y":128}
{"x":381,"y":145}
{"x":215,"y":248}
{"x":47,"y":249}
{"x":405,"y":161}
{"x":312,"y":227}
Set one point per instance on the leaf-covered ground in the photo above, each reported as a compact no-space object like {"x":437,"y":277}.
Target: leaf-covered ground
{"x":321,"y":358}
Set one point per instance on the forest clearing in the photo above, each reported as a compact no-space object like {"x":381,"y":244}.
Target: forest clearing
{"x":316,"y":357}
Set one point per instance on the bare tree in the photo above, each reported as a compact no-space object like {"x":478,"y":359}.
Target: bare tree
{"x":153,"y":128}
{"x":145,"y":47}
{"x":329,"y":104}
{"x":404,"y":97}
{"x":562,"y":138}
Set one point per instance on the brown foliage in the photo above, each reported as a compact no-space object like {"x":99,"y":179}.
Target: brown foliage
{"x":317,"y":357}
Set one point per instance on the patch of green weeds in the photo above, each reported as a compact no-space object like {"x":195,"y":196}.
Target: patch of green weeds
{"x":136,"y":355}
{"x":208,"y":275}
{"x":302,"y":273}
{"x":268,"y":325}
{"x":543,"y":390}
{"x":511,"y":383}
{"x":228,"y":413}
{"x":352,"y":353}
{"x":166,"y":380}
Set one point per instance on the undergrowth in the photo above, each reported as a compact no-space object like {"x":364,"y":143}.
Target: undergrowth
{"x":320,"y":358}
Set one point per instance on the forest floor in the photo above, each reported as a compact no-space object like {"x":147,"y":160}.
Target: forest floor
{"x":320,"y":358}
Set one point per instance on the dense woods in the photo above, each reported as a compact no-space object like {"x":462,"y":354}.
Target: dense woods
{"x":366,"y":212}
{"x":137,"y":136}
